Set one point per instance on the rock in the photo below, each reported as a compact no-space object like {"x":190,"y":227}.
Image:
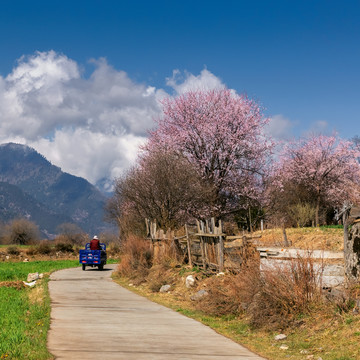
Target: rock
{"x":304,"y":351}
{"x":32,"y":277}
{"x":41,"y":276}
{"x":309,"y":357}
{"x":284,"y":347}
{"x":31,"y":284}
{"x":280,"y":337}
{"x":220,"y":274}
{"x":7,"y":257}
{"x":190,"y":281}
{"x":26,"y":260}
{"x":200,"y":294}
{"x":131,"y":284}
{"x":165,"y":288}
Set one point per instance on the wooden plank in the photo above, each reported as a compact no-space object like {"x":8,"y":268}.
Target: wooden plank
{"x":236,"y":237}
{"x":206,"y":251}
{"x":198,"y":226}
{"x":207,"y":229}
{"x":209,"y":235}
{"x":221,"y":254}
{"x":213,"y":228}
{"x":188,"y":245}
{"x":202,"y":252}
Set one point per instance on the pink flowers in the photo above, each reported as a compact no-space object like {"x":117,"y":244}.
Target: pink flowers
{"x":221,"y":134}
{"x":325,"y":165}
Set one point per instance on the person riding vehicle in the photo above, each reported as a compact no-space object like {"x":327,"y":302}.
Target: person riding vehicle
{"x":95,"y":244}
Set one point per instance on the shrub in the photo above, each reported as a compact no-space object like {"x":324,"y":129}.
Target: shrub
{"x":113,"y":249}
{"x":158,"y":276}
{"x":31,"y":250}
{"x":286,"y":291}
{"x":64,"y":247}
{"x":71,"y":233}
{"x":302,"y":214}
{"x":43,"y":248}
{"x":13,"y":250}
{"x":231,"y":294}
{"x":273,"y":297}
{"x":22,"y":232}
{"x":136,"y":259}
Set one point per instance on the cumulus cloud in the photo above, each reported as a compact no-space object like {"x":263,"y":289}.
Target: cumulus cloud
{"x":183,"y":82}
{"x":319,"y":127}
{"x":280,"y":127}
{"x":90,"y":127}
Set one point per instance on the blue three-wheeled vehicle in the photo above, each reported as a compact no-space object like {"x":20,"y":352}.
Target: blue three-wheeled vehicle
{"x":93,"y":258}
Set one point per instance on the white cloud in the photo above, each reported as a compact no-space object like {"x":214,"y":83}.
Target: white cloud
{"x":90,"y":127}
{"x":92,"y":155}
{"x":319,"y":127}
{"x":280,"y":127}
{"x":182,"y":83}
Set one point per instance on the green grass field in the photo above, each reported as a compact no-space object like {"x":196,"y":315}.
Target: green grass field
{"x":25,"y":312}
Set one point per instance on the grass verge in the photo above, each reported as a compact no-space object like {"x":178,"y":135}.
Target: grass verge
{"x":25,"y":312}
{"x":325,"y":333}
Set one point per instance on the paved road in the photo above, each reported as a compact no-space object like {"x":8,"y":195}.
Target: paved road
{"x":94,"y":318}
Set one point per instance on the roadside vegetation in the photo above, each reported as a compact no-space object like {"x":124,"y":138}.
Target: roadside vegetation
{"x":252,"y":308}
{"x":25,"y":312}
{"x":210,"y":156}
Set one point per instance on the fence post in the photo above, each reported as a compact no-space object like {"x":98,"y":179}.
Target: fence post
{"x":188,"y":245}
{"x":221,"y":254}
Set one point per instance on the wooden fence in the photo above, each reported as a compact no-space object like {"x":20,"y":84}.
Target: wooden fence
{"x":203,"y":244}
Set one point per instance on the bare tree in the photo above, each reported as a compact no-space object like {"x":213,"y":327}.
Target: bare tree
{"x":22,"y":232}
{"x":71,"y":233}
{"x":164,"y":187}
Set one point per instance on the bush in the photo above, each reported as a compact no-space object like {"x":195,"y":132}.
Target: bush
{"x":136,"y":259}
{"x":13,"y":250}
{"x":114,"y":249}
{"x":71,"y":233}
{"x":302,"y":214}
{"x":43,"y":248}
{"x":64,"y":247}
{"x":158,"y":276}
{"x":286,"y":291}
{"x":231,"y":294}
{"x":22,"y":232}
{"x":273,"y":298}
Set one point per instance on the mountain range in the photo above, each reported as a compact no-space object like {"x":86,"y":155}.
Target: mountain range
{"x":31,"y":187}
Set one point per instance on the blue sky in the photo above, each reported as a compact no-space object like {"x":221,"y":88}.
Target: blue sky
{"x":299,"y":59}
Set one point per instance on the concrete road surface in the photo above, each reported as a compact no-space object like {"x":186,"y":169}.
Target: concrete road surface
{"x":92,"y":317}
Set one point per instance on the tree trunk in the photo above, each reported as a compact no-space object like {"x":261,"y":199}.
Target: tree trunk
{"x":317,"y":209}
{"x":250,"y":220}
{"x":352,"y":250}
{"x":286,"y":242}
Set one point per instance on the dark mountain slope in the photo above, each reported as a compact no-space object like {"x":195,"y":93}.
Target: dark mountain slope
{"x":63,"y":194}
{"x":14,"y":203}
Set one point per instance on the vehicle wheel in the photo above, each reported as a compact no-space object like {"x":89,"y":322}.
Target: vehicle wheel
{"x":83,"y":267}
{"x":101,"y":266}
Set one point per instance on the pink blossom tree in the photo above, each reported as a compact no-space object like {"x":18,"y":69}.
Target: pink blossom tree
{"x":221,"y":134}
{"x":324,"y":165}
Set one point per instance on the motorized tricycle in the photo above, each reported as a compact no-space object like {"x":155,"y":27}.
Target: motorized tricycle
{"x":93,"y":258}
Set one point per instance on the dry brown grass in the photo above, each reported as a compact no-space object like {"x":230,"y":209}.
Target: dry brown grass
{"x":286,"y":292}
{"x":14,"y":284}
{"x":136,"y":259}
{"x":230,"y":294}
{"x":36,"y":295}
{"x":272,"y":298}
{"x":304,"y":238}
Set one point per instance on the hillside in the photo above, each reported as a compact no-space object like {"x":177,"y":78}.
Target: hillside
{"x":31,"y":186}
